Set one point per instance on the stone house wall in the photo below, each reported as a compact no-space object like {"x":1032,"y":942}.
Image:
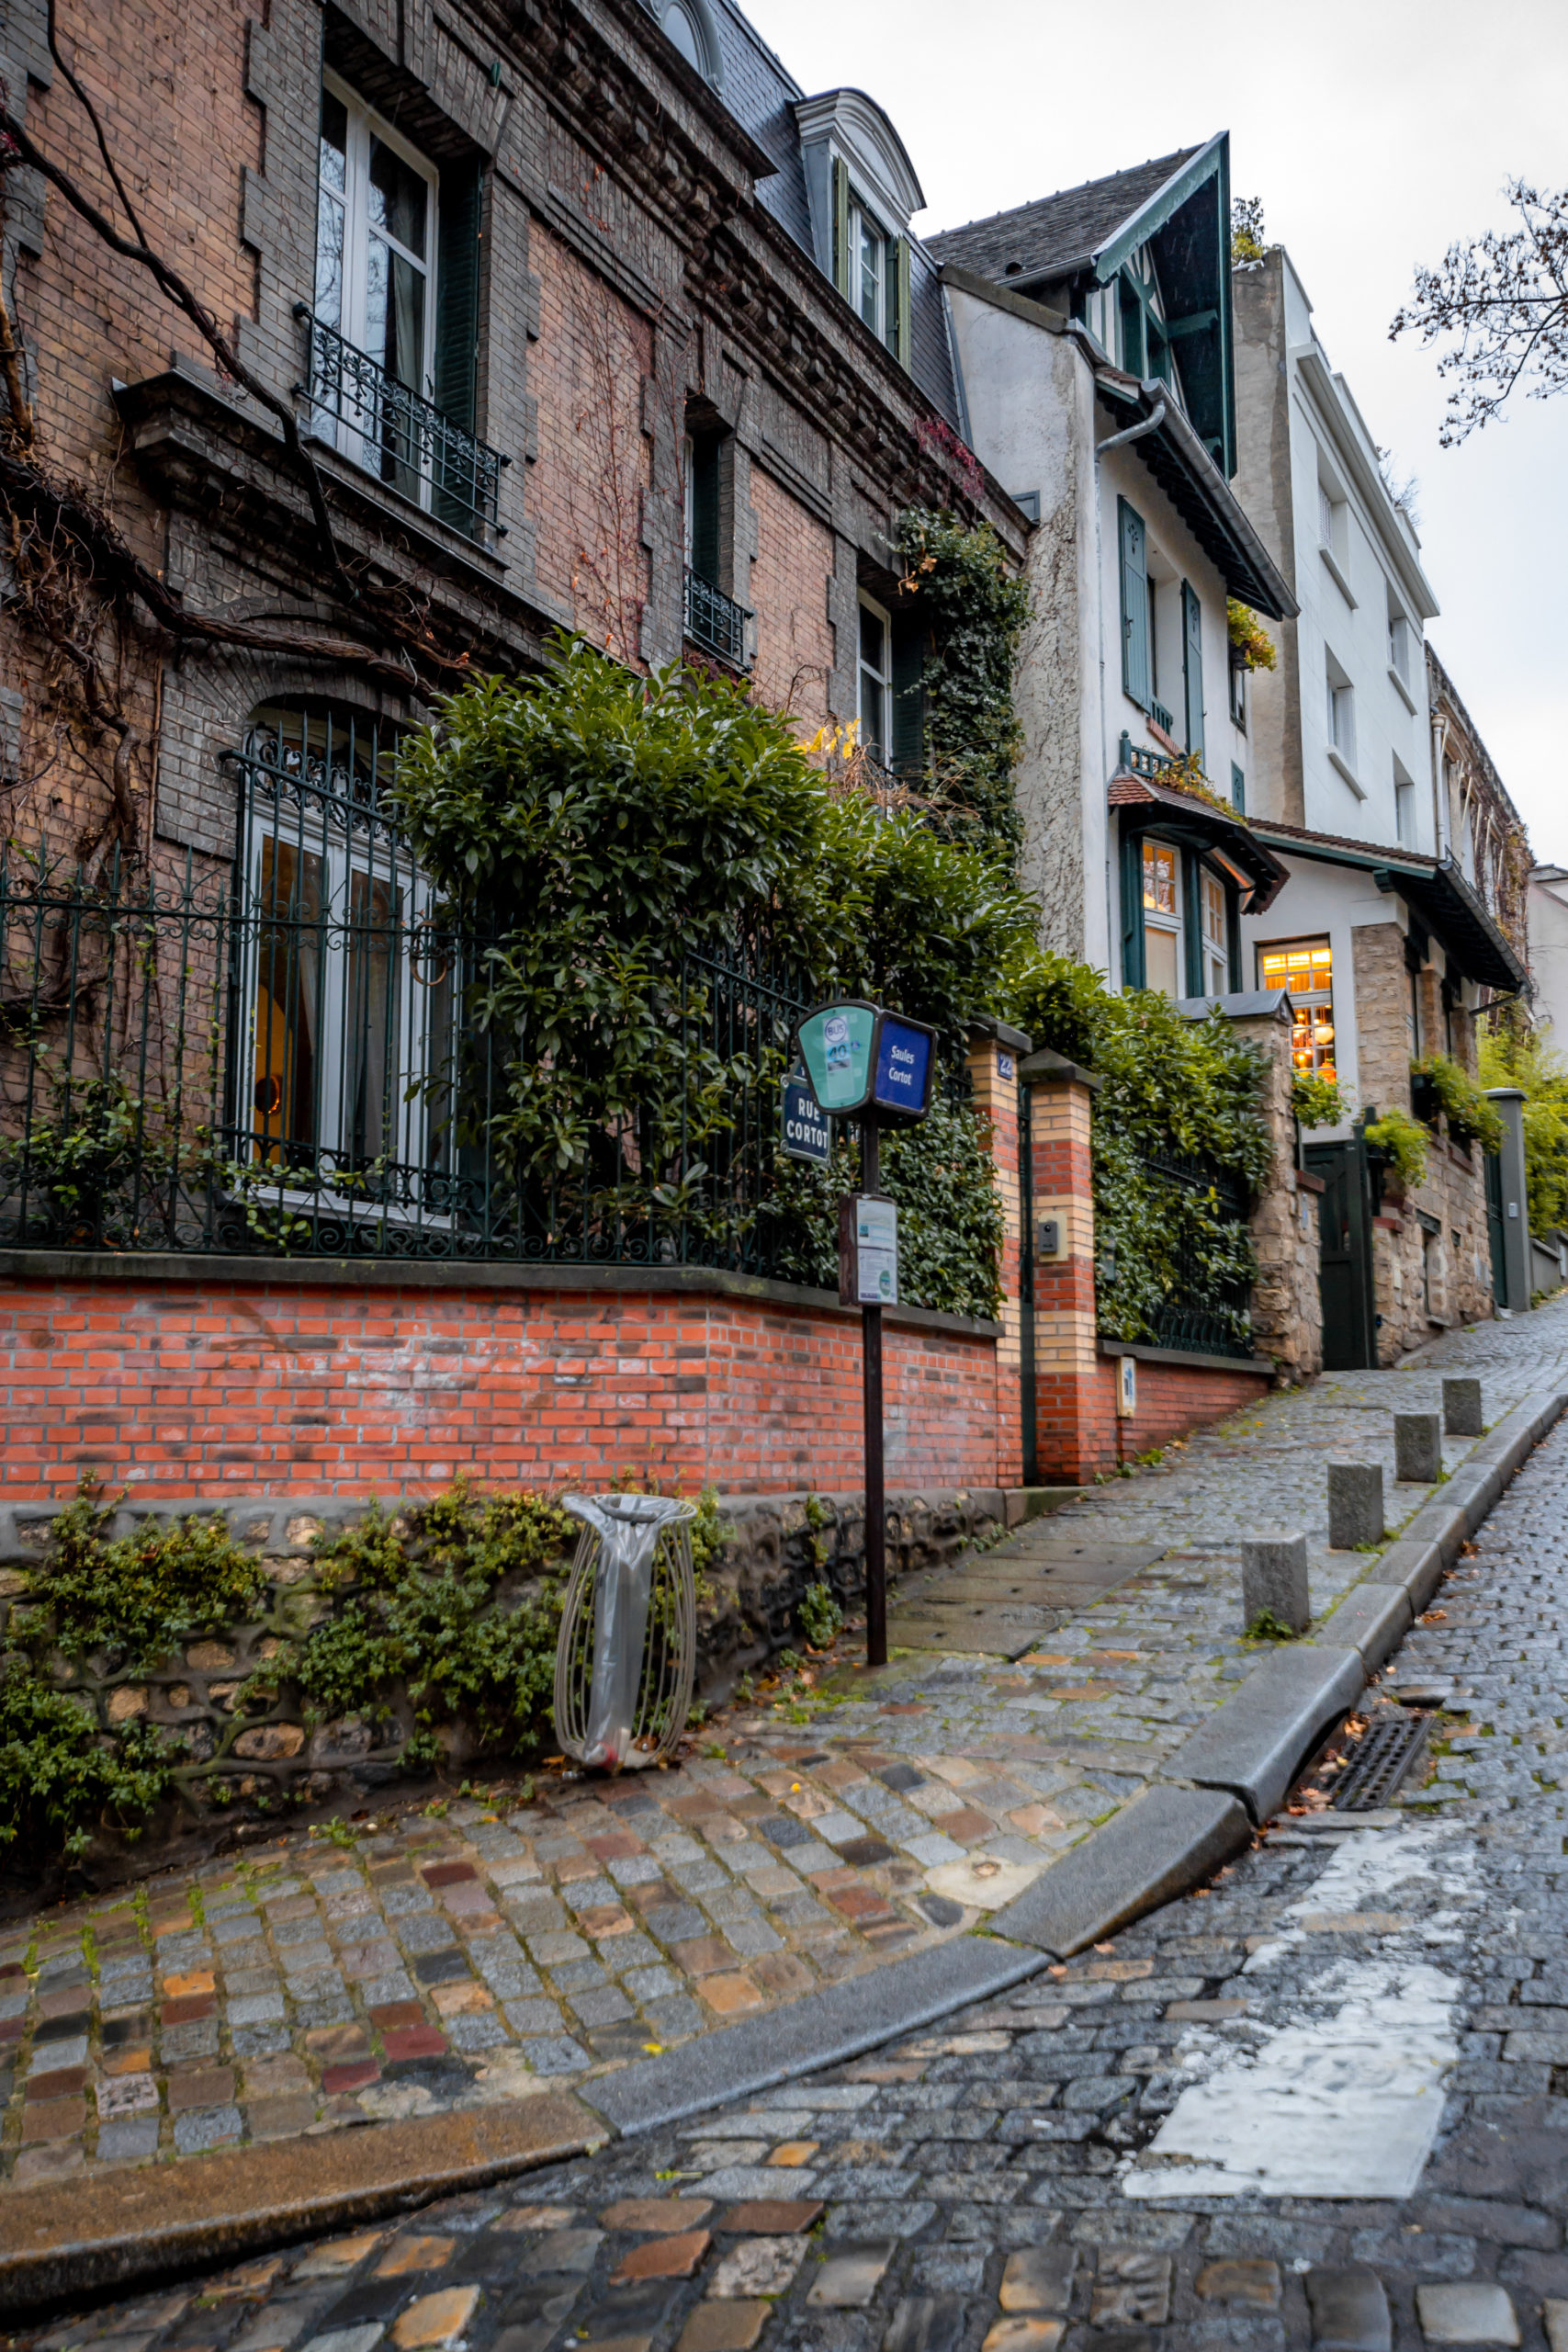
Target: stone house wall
{"x":1287,"y":1302}
{"x":1431,"y":1262}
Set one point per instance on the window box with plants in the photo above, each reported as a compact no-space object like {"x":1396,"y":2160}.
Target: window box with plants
{"x":1439,"y":1085}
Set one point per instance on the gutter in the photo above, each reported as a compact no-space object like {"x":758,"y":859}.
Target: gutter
{"x":1133,"y":432}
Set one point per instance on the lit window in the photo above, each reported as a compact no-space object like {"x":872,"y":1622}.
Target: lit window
{"x":875,"y":680}
{"x":351,"y":998}
{"x":1162,"y":918}
{"x":1304,"y":967}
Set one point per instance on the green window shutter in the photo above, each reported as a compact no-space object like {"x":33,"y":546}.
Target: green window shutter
{"x":908,"y":696}
{"x":458,"y":293}
{"x":1192,"y":667}
{"x":1134,"y":608}
{"x":898,"y":319}
{"x":842,"y":227}
{"x":1193,"y":982}
{"x":1238,"y":790}
{"x":704,"y":507}
{"x":1133,"y":966}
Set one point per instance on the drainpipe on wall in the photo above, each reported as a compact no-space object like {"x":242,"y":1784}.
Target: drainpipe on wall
{"x":1133,"y":432}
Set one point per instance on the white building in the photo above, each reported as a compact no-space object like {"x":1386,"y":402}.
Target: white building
{"x":1095,"y":346}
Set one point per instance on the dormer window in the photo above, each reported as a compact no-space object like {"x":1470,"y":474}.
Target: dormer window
{"x":689,"y":28}
{"x":863,"y":192}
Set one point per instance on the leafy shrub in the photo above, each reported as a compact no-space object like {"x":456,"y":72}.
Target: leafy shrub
{"x":1251,"y":644}
{"x":820,"y":1616}
{"x":950,"y":1215}
{"x":1461,"y":1100}
{"x":1514,"y":1056}
{"x":60,"y":1779}
{"x":420,"y":1605}
{"x":137,"y":1599}
{"x":1317,"y":1102}
{"x":974,"y":610}
{"x":1170,"y":1087}
{"x":1403,"y":1140}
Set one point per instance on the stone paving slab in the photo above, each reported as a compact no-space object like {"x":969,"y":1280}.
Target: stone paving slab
{"x":456,"y":1959}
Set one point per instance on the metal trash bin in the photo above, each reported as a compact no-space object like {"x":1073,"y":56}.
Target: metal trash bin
{"x":627,"y":1647}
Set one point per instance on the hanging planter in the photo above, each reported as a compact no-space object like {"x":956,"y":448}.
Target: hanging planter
{"x":627,"y":1646}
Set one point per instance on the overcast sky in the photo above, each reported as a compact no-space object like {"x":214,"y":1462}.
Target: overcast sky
{"x":1375,"y":131}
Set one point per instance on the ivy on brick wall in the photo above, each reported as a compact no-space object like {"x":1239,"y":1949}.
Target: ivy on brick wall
{"x":971,"y":609}
{"x":950,"y":1215}
{"x":1172,"y":1091}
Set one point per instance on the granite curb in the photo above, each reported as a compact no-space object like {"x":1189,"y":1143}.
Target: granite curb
{"x":822,"y":2028}
{"x":68,"y":2241}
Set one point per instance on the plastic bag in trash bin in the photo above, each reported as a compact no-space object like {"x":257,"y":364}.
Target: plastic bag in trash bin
{"x":628,"y":1527}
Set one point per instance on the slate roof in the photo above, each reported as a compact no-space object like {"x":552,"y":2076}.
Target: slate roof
{"x":1055,"y":236}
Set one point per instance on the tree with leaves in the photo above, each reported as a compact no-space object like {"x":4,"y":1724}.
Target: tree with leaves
{"x":1503,"y":300}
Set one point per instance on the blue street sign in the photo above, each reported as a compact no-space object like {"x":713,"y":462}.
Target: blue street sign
{"x":807,"y":1135}
{"x":903,"y":1067}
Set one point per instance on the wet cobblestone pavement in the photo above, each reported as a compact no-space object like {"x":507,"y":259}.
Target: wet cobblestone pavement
{"x":464,"y":1960}
{"x":1324,"y":2101}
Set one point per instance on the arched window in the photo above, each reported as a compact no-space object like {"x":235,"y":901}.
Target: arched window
{"x":347,"y":988}
{"x":689,"y":25}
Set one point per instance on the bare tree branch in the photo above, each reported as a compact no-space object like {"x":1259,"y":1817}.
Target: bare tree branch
{"x":1504,"y":299}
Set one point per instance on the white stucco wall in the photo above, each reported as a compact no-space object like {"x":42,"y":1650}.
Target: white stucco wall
{"x":1348,"y":616}
{"x":1548,"y":949}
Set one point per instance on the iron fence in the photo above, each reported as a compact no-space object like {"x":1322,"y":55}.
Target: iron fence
{"x":1204,"y":1314}
{"x":291,"y":1059}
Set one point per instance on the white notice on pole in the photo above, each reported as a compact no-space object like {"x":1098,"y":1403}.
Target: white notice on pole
{"x":876,"y":1250}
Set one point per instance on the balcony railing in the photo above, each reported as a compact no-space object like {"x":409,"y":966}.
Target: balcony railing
{"x":405,"y":441}
{"x":715,"y":622}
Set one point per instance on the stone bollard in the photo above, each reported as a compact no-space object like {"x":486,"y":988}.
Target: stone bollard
{"x":1417,"y":1447}
{"x":1274,"y":1578}
{"x":1355,"y":1504}
{"x":1461,"y":1409}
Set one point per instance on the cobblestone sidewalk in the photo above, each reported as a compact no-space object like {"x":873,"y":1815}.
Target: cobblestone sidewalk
{"x":443,"y":1961}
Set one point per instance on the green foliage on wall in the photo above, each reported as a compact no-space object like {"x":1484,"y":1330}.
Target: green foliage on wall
{"x":1461,"y":1100}
{"x":1317,"y":1101}
{"x":1403,"y":1140}
{"x":950,"y":1215}
{"x":974,"y":609}
{"x":1514,"y":1056}
{"x":1170,"y":1089}
{"x":449,"y":1612}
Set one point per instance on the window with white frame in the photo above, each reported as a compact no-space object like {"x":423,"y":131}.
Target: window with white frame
{"x":868,"y":268}
{"x":1216,"y":935}
{"x":1340,"y":714}
{"x":350,"y":994}
{"x":375,"y":275}
{"x":1162,"y":918}
{"x":1404,"y":805}
{"x":1399,"y":647}
{"x":875,"y":681}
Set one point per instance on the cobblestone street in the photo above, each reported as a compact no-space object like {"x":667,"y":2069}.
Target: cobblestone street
{"x":1320,"y":2101}
{"x":464,"y":1957}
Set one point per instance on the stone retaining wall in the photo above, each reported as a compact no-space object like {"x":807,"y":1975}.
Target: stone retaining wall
{"x":248,"y":1763}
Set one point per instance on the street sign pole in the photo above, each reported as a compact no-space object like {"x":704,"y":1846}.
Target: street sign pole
{"x":875,"y":1500}
{"x":862,"y":1061}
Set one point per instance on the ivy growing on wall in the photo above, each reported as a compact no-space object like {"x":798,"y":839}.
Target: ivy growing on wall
{"x":1171,"y":1089}
{"x":950,"y":1215}
{"x":973,"y":608}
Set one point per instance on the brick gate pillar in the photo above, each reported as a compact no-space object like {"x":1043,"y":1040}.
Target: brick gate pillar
{"x":1072,"y":1399}
{"x":994,"y":1055}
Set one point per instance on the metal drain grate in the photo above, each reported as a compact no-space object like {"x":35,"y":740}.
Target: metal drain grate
{"x":1379,"y":1761}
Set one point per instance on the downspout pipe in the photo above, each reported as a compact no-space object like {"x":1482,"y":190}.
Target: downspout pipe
{"x":1134,"y":432}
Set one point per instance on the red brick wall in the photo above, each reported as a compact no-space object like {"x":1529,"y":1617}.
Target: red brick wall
{"x":588,"y":371}
{"x":1172,"y":1399}
{"x":221,"y":1389}
{"x":790,"y":573}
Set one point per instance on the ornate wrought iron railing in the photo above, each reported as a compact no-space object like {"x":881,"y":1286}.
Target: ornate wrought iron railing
{"x":290,"y":1060}
{"x":403,"y":439}
{"x":715,"y":622}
